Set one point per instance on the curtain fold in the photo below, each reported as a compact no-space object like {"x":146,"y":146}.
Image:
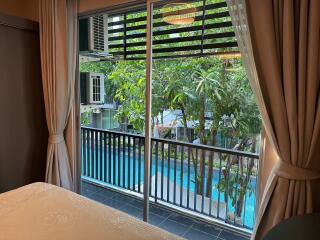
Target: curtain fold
{"x":58,"y":45}
{"x":280,"y":44}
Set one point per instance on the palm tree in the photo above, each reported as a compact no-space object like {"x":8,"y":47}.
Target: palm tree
{"x":206,"y":83}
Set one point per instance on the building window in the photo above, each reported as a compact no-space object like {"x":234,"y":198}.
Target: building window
{"x":96,"y":88}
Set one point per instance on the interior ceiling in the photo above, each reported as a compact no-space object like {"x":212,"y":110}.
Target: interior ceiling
{"x":29,"y":8}
{"x":91,"y":5}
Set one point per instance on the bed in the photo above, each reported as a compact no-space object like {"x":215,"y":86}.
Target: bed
{"x":43,"y":211}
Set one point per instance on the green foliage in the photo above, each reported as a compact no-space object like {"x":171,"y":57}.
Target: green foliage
{"x":232,"y":188}
{"x":195,"y":86}
{"x":85,"y":118}
{"x":180,"y":84}
{"x":129,"y":78}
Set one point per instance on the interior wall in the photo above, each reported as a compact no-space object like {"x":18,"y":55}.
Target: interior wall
{"x":23,"y":131}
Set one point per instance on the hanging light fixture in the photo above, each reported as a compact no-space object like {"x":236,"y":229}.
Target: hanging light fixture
{"x":179,"y":13}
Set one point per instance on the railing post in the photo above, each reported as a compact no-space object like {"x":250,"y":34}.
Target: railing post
{"x":147,"y":146}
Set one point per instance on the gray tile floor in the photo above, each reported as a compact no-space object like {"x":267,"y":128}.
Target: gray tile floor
{"x":171,"y":221}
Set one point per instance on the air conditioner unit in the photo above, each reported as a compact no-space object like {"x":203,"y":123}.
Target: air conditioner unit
{"x":93,"y":35}
{"x":92,"y":88}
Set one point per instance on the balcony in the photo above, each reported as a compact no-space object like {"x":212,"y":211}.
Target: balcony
{"x":198,"y":187}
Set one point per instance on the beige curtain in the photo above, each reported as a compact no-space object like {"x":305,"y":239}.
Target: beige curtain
{"x":58,"y":36}
{"x":282,"y":57}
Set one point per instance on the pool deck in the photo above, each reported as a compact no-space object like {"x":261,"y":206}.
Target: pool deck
{"x":179,"y":224}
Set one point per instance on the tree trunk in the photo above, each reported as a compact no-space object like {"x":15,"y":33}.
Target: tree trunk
{"x":195,"y":163}
{"x":162,"y":117}
{"x":230,"y":160}
{"x":245,"y":182}
{"x":185,"y":125}
{"x":124,"y":123}
{"x":210,"y":164}
{"x":152,"y":126}
{"x":202,"y":141}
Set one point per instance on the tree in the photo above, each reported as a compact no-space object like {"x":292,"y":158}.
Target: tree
{"x":207,"y":83}
{"x":178,"y":90}
{"x":125,"y":84}
{"x":85,"y":118}
{"x":159,"y":100}
{"x":240,"y":122}
{"x":195,"y":86}
{"x":129,"y":77}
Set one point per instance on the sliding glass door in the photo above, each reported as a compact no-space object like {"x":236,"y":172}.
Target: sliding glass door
{"x":115,"y":89}
{"x":167,"y":112}
{"x":148,"y":116}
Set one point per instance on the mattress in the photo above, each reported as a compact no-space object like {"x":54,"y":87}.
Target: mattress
{"x":43,"y":211}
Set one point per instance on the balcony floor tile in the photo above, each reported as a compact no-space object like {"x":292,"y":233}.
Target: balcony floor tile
{"x":123,"y":198}
{"x":87,"y":187}
{"x":210,"y":229}
{"x":137,"y":203}
{"x":173,"y":222}
{"x":196,"y":234}
{"x":86,"y":192}
{"x":114,"y":203}
{"x":99,"y":196}
{"x":155,"y":219}
{"x":174,"y":227}
{"x":160,"y":211}
{"x":226,"y":235}
{"x":181,"y":219}
{"x":131,"y":210}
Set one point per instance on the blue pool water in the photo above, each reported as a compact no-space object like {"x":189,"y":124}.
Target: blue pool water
{"x":131,"y":175}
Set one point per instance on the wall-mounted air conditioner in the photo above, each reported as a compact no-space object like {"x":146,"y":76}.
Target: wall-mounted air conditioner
{"x":93,"y":35}
{"x":92,"y":88}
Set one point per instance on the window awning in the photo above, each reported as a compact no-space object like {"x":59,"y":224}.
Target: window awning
{"x":211,"y":33}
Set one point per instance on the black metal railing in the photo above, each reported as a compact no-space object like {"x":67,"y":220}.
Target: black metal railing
{"x":212,"y":181}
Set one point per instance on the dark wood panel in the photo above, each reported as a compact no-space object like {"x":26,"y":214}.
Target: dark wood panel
{"x":23,"y":131}
{"x":19,"y":23}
